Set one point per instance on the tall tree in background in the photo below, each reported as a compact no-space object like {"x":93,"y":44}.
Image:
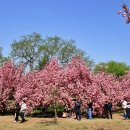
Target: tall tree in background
{"x":0,"y":52}
{"x":26,"y":49}
{"x":63,"y":50}
{"x":2,"y":58}
{"x":113,"y":67}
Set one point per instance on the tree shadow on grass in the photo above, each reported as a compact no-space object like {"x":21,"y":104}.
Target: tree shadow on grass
{"x":52,"y":122}
{"x":102,"y":129}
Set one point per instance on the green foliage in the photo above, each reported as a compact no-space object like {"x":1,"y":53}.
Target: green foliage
{"x":31,"y":50}
{"x":48,"y":112}
{"x":63,"y":50}
{"x":59,"y":108}
{"x":0,"y":52}
{"x":113,"y":67}
{"x":100,"y":67}
{"x":42,"y":62}
{"x":26,"y":49}
{"x":2,"y":58}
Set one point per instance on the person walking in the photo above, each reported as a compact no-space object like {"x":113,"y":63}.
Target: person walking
{"x":23,"y":110}
{"x":17,"y":111}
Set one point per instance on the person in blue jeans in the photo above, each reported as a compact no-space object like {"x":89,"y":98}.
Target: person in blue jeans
{"x":124,"y":106}
{"x":89,"y":109}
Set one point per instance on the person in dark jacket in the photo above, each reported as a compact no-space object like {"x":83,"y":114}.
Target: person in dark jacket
{"x":106,"y":110}
{"x":110,"y":109}
{"x":17,"y":112}
{"x":78,"y":109}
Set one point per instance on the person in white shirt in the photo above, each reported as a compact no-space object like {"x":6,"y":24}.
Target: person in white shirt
{"x":23,"y":110}
{"x":124,"y":106}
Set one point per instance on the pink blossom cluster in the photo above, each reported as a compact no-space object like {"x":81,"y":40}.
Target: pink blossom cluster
{"x":10,"y":76}
{"x":55,"y":84}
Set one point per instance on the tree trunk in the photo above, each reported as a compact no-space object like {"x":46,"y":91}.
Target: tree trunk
{"x":55,"y":112}
{"x":31,"y":66}
{"x":55,"y":119}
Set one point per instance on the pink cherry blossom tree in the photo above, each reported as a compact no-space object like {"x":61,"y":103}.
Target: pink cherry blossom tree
{"x":109,"y":88}
{"x":43,"y":87}
{"x":125,"y":86}
{"x":56,"y":84}
{"x":77,"y":79}
{"x":10,"y":76}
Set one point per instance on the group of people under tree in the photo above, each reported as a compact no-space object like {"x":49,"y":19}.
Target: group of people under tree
{"x":20,"y":111}
{"x":76,"y":111}
{"x":107,"y":110}
{"x":89,"y":109}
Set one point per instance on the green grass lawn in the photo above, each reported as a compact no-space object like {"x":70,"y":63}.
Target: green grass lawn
{"x":117,"y":123}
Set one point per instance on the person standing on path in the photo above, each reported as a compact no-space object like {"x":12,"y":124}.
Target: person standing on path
{"x":89,"y":109}
{"x":23,"y":110}
{"x":17,"y":111}
{"x":78,"y":109}
{"x":106,"y":109}
{"x":124,"y":106}
{"x":110,"y":109}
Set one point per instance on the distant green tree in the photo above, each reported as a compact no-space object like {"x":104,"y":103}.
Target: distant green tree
{"x":0,"y":52}
{"x":2,"y":58}
{"x":113,"y":67}
{"x":63,"y":50}
{"x":26,"y":49}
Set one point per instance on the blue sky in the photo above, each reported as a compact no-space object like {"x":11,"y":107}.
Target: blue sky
{"x":93,"y":24}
